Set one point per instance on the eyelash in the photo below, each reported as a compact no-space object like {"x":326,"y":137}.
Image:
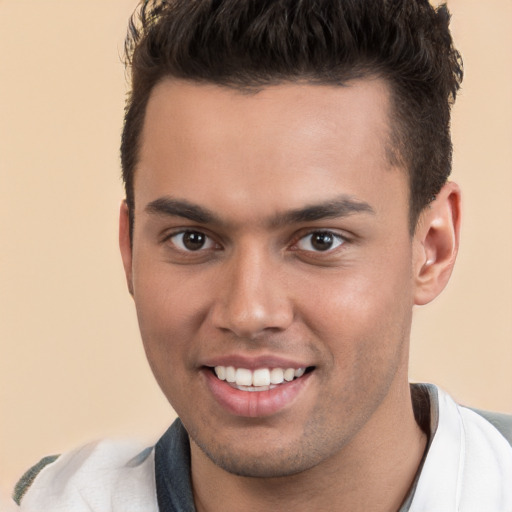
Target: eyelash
{"x":338,"y":239}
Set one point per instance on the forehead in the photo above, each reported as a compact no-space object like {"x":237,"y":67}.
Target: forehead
{"x":291,"y":143}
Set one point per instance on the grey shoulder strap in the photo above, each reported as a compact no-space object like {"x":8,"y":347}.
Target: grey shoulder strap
{"x":502,"y":422}
{"x":26,"y":480}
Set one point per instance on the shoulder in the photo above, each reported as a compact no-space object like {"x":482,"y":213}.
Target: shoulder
{"x":501,"y":422}
{"x":427,"y":399}
{"x":105,"y":475}
{"x":462,"y":442}
{"x":29,"y":476}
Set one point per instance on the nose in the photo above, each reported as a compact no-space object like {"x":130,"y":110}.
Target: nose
{"x":253,"y":297}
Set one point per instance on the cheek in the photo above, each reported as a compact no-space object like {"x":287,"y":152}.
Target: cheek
{"x":166,"y":296}
{"x":168,"y":312}
{"x":360,"y":314}
{"x":165,"y":329}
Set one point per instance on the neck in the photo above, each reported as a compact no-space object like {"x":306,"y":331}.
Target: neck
{"x":374,"y":471}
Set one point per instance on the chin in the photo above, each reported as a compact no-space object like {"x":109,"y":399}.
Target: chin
{"x":260,"y":466}
{"x":265,"y":459}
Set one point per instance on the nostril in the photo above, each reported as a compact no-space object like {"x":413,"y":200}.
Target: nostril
{"x":252,"y":321}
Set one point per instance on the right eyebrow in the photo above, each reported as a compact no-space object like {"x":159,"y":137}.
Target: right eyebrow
{"x":180,"y":208}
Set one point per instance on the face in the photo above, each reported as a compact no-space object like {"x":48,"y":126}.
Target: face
{"x":272,"y":268}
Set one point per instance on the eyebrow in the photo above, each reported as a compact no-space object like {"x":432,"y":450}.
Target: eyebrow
{"x":342,"y":206}
{"x":181,"y":208}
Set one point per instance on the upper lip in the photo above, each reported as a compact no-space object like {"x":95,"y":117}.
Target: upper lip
{"x":253,"y":363}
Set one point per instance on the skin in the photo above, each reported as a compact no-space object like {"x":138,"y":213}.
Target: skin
{"x":259,"y":289}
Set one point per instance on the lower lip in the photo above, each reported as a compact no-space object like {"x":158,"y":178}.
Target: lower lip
{"x":253,"y":404}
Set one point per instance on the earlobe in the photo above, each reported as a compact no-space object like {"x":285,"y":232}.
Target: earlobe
{"x":436,"y":244}
{"x":125,"y":244}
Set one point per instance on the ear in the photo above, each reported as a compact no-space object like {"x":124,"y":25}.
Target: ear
{"x":436,"y":242}
{"x":125,"y":244}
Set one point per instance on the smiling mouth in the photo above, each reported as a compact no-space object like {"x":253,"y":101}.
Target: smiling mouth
{"x":261,"y":379}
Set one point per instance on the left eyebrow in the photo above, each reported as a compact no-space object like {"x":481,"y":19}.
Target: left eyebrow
{"x":340,"y":207}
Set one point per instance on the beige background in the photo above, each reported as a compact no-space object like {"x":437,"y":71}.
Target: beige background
{"x":71,"y":367}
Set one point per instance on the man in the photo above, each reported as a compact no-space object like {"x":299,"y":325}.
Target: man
{"x":287,"y":205}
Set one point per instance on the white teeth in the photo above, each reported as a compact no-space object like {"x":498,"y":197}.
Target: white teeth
{"x":289,"y":374}
{"x":299,"y":372}
{"x":230,"y":374}
{"x":276,"y":376}
{"x":252,"y":389}
{"x":220,"y":371}
{"x":243,"y":377}
{"x":261,"y":378}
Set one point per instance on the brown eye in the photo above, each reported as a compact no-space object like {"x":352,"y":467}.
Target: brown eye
{"x":320,"y":241}
{"x":192,"y":241}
